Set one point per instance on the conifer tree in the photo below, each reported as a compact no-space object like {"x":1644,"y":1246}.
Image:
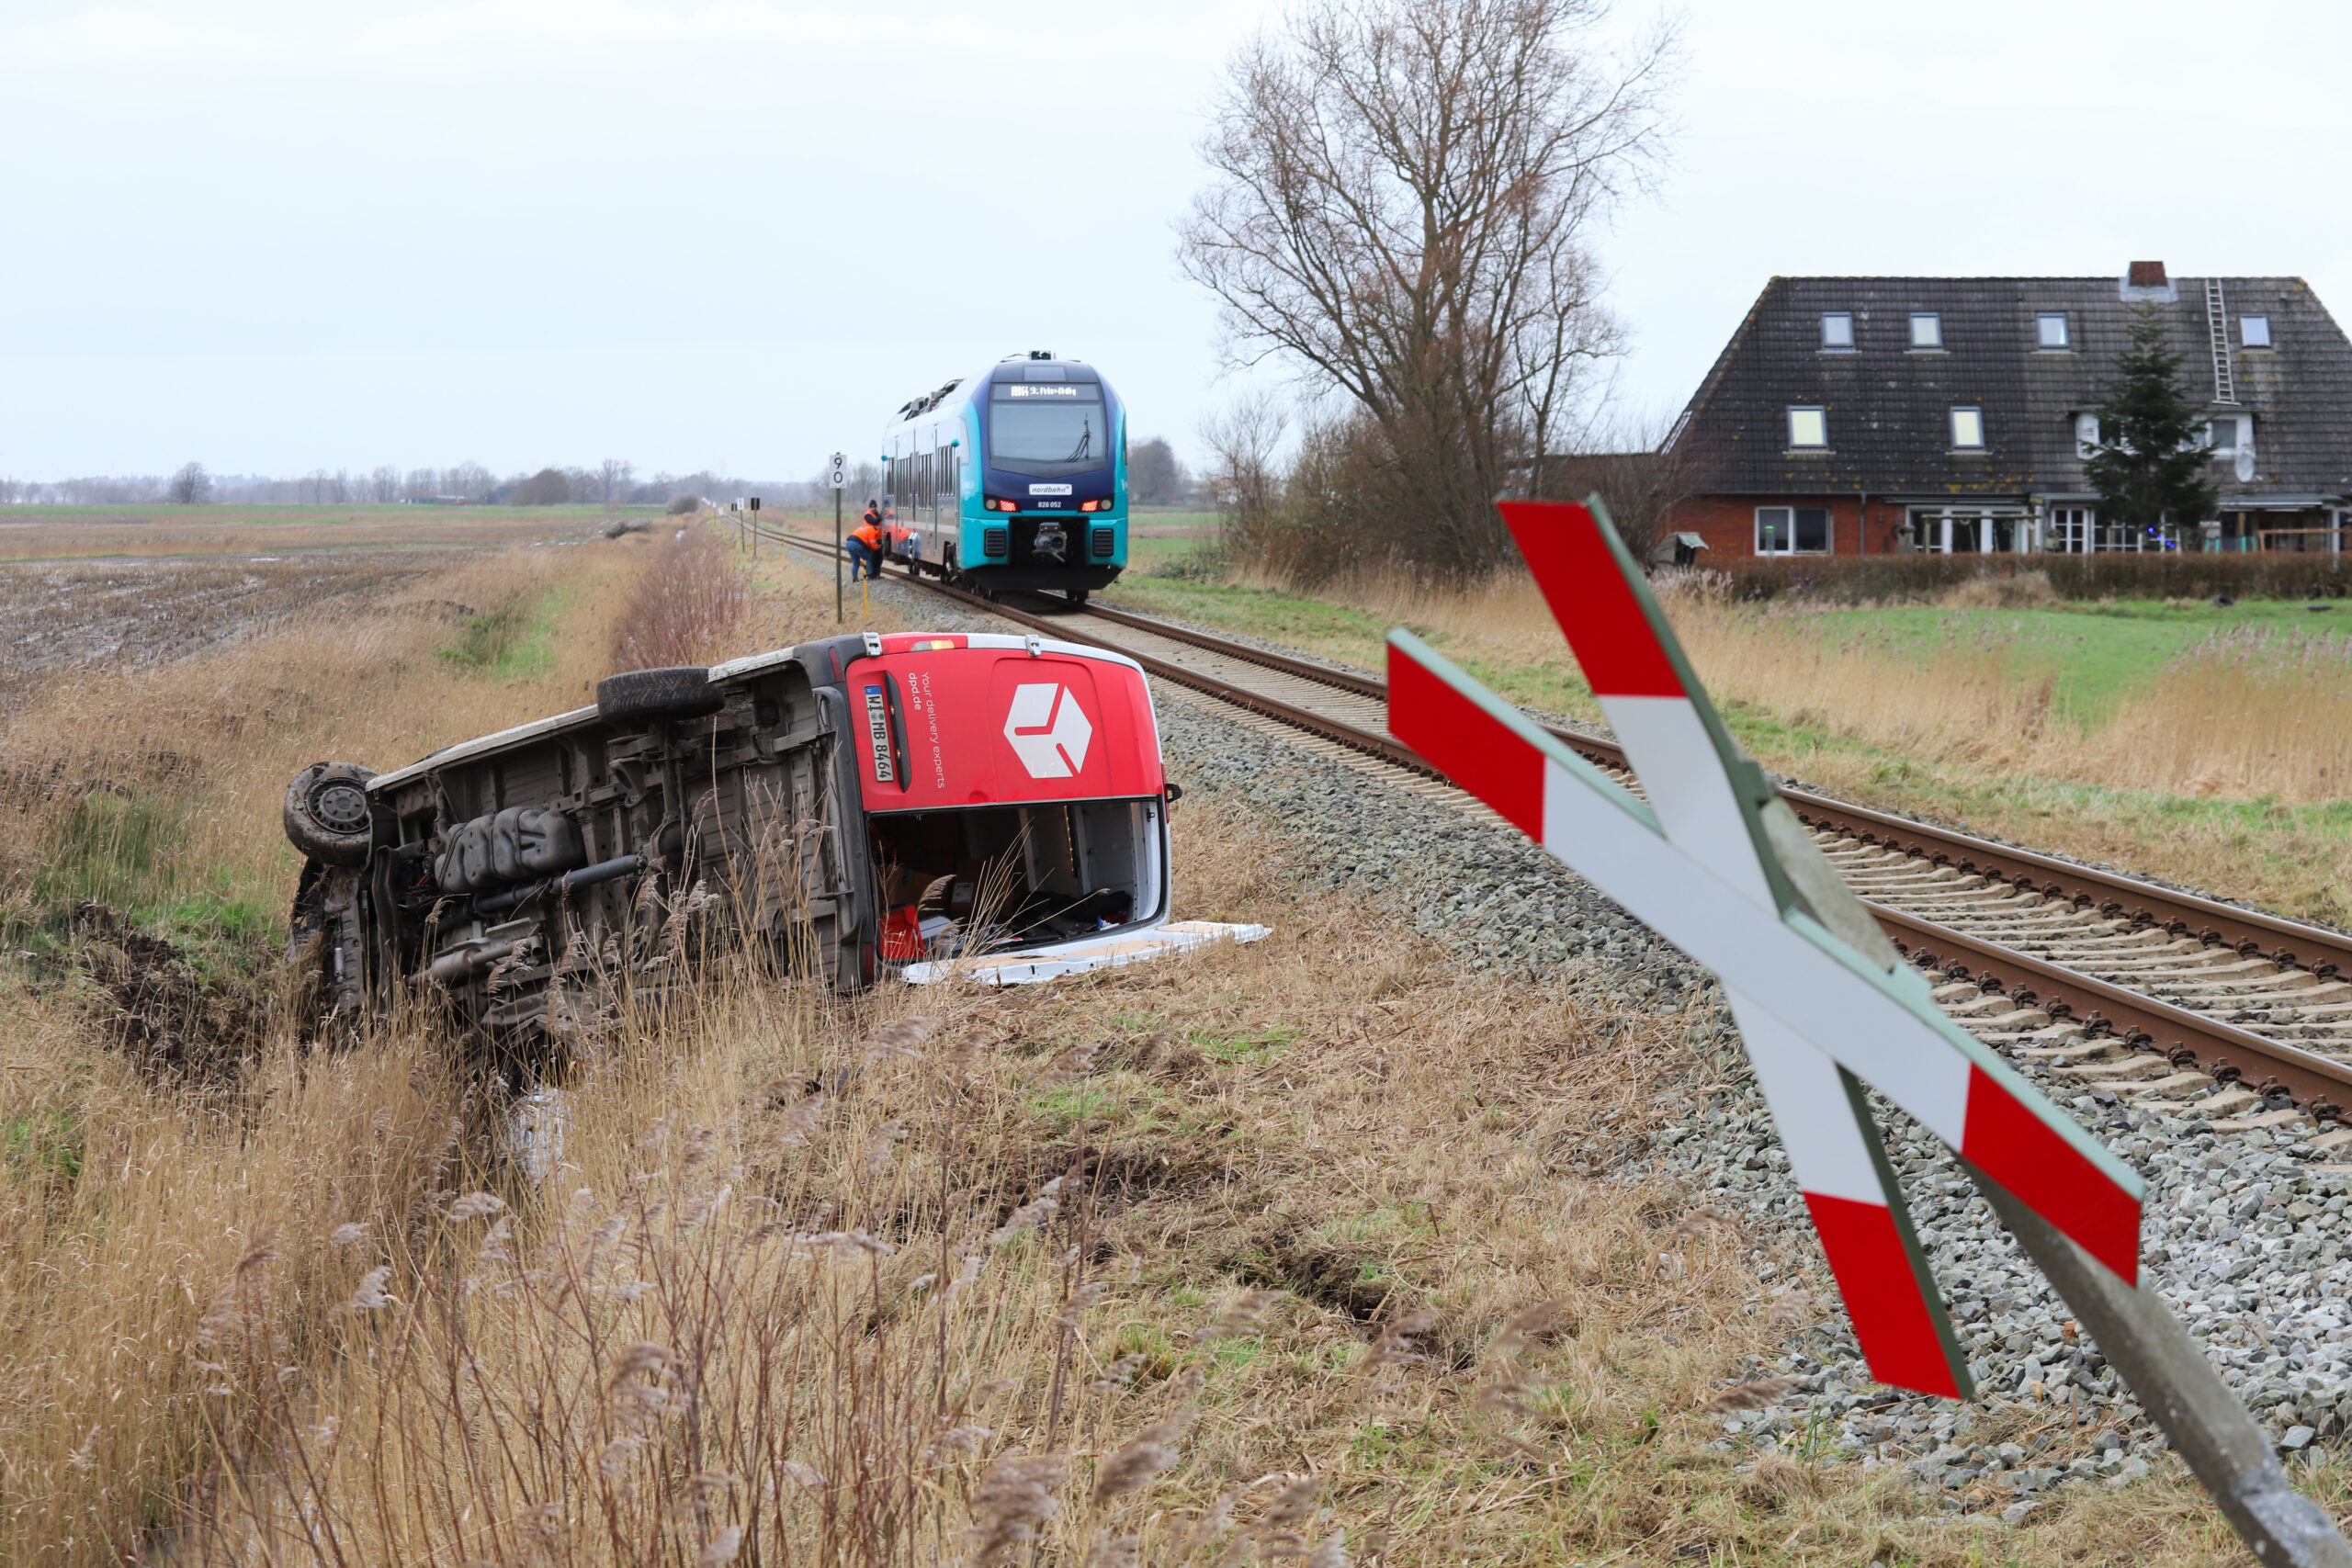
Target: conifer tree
{"x":2151,"y":465}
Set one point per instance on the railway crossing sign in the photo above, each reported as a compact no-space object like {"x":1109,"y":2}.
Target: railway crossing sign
{"x":1716,"y":863}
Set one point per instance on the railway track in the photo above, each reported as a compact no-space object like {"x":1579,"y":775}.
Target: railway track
{"x":2164,"y":1000}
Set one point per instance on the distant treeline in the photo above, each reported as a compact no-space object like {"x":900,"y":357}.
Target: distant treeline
{"x":1157,"y":477}
{"x":614,"y":483}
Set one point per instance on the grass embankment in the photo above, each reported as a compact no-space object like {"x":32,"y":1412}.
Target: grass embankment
{"x":154,"y":1124}
{"x":1308,"y":1250}
{"x":1263,"y":1254}
{"x":2213,"y":746}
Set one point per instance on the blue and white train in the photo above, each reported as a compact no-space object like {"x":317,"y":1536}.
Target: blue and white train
{"x":1012,"y":478}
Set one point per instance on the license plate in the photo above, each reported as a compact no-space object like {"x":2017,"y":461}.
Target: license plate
{"x":878,"y":730}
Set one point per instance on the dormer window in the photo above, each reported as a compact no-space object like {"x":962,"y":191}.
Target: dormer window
{"x":1968,"y":430}
{"x":2254,"y":332}
{"x":1837,"y":332}
{"x":1926,"y":329}
{"x":2050,"y":329}
{"x":1808,"y":429}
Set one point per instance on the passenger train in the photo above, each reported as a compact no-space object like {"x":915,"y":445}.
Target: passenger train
{"x":1015,"y":476}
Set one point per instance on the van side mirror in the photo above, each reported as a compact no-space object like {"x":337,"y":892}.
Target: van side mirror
{"x":1174,"y":791}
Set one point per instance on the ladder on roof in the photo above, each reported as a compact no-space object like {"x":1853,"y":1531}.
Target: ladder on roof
{"x":2217,"y":323}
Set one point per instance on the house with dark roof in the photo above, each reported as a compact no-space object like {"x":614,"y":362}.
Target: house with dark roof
{"x":1877,"y":414}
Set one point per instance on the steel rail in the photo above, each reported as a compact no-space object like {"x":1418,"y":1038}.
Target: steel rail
{"x":2134,"y":1017}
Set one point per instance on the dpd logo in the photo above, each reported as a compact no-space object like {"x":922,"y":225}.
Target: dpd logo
{"x":1048,"y":731}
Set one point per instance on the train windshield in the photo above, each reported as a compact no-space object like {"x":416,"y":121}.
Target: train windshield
{"x":1049,"y":430}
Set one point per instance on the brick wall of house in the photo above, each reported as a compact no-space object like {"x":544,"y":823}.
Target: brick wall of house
{"x":1728,"y":522}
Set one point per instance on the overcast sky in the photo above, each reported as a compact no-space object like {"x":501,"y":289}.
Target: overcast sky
{"x":274,"y":236}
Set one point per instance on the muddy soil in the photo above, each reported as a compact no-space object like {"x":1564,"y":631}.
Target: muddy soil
{"x":58,"y":616}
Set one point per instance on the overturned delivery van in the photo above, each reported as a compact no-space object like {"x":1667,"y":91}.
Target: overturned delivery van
{"x":850,"y":808}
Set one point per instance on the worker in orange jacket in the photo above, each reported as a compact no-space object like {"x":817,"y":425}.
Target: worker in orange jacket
{"x":865,"y":542}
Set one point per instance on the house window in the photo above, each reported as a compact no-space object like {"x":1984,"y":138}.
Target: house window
{"x":2050,"y":329}
{"x":1808,"y":428}
{"x":1968,"y":430}
{"x":1926,"y":329}
{"x":1837,"y":332}
{"x":2254,"y":332}
{"x":2226,"y":432}
{"x":1792,"y":530}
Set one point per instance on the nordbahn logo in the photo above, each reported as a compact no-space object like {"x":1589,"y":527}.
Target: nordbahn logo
{"x":877,"y":733}
{"x":1047,"y":731}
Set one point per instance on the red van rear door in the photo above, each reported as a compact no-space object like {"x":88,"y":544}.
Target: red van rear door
{"x":953,"y":725}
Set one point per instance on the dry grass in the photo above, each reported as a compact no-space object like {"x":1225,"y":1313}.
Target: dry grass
{"x":155,"y":1125}
{"x":1302,"y":1250}
{"x":1292,"y":1261}
{"x":2258,"y":711}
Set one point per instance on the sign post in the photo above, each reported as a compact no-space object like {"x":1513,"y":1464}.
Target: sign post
{"x":1716,"y":863}
{"x":755,"y":527}
{"x":837,"y":475}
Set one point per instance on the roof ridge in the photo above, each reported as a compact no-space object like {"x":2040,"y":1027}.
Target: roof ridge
{"x":2016,"y":277}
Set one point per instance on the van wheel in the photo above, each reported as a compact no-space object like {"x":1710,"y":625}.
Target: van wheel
{"x":326,"y":813}
{"x":681,"y":691}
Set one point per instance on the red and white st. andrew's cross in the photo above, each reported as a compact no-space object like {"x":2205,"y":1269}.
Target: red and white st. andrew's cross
{"x":1717,"y":863}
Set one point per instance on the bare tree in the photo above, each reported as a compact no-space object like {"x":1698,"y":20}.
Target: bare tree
{"x":1630,"y":465}
{"x":1404,"y":194}
{"x":190,"y":486}
{"x":384,"y":484}
{"x":468,"y":481}
{"x":614,"y":476}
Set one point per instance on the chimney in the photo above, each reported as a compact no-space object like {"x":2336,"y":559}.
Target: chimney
{"x":2146,"y":274}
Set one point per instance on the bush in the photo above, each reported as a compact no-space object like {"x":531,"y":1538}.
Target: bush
{"x":685,"y":607}
{"x":549,"y":487}
{"x":681,"y":505}
{"x":1860,"y":580}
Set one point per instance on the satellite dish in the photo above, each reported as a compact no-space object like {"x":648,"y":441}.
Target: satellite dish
{"x":2245,"y":464}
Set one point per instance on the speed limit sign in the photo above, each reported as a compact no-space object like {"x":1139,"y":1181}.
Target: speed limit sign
{"x":839,"y":477}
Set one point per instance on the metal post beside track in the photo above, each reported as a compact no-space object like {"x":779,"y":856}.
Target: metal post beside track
{"x":840,"y":475}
